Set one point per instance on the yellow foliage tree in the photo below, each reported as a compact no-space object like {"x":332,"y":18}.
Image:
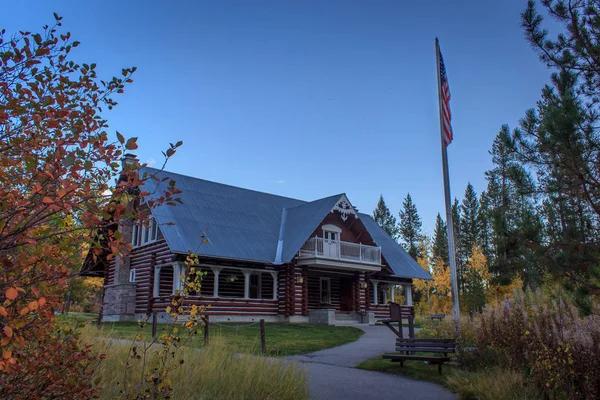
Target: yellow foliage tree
{"x":442,"y":295}
{"x":476,"y":281}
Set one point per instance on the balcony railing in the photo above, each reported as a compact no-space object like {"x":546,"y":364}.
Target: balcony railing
{"x":338,"y":250}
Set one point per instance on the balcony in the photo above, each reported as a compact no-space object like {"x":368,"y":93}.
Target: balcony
{"x":320,"y":249}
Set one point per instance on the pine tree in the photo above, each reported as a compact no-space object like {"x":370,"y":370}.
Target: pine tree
{"x":514,"y":223}
{"x":469,"y":229}
{"x":385,"y":219}
{"x":456,"y":223}
{"x":560,"y":141}
{"x":460,"y":259}
{"x":410,"y":227}
{"x":557,"y":141}
{"x":439,"y":248}
{"x":484,"y":226}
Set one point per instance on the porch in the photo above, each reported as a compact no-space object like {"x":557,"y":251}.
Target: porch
{"x":230,"y":293}
{"x":300,"y":293}
{"x":337,"y":296}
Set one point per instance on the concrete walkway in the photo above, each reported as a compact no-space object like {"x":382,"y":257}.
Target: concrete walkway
{"x":332,"y":374}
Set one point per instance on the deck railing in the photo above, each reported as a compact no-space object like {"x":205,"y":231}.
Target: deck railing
{"x":339,"y":250}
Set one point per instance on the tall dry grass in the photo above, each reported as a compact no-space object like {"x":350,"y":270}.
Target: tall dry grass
{"x":537,"y":337}
{"x":492,"y":384}
{"x":212,"y":373}
{"x":545,"y":336}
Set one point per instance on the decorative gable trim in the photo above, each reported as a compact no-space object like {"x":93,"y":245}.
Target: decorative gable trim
{"x":344,"y":207}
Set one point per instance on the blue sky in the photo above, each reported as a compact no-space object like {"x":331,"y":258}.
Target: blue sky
{"x":305,"y":98}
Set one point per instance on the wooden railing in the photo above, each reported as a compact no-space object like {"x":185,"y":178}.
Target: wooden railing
{"x":339,"y":250}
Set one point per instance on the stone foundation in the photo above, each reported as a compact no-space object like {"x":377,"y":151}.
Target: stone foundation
{"x":322,"y":316}
{"x":119,"y":302}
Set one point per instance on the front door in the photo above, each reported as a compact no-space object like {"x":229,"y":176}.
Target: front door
{"x":346,"y":295}
{"x":331,"y":244}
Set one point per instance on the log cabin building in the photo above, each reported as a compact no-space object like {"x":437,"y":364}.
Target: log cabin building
{"x":265,"y":257}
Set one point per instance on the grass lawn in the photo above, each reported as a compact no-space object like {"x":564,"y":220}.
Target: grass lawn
{"x":281,"y":338}
{"x":412,"y":369}
{"x":77,"y":316}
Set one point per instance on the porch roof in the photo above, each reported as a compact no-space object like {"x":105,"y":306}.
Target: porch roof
{"x":223,"y":221}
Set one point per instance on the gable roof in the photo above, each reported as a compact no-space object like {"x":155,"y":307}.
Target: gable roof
{"x":223,"y":221}
{"x":403,"y":265}
{"x":299,"y":222}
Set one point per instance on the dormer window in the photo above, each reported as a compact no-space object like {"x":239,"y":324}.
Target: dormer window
{"x":145,"y":232}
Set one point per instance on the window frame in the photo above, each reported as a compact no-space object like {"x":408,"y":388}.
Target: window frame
{"x":144,"y":233}
{"x":132,"y":275}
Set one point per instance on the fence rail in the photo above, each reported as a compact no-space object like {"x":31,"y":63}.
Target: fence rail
{"x":339,"y":250}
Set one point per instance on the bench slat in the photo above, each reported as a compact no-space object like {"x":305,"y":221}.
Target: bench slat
{"x":395,"y":356}
{"x":425,"y":349}
{"x":433,"y":340}
{"x":433,"y":344}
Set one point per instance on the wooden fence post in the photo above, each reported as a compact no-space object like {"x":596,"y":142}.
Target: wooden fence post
{"x":263,"y":344}
{"x":154,"y":324}
{"x":101,"y":311}
{"x":205,"y":320}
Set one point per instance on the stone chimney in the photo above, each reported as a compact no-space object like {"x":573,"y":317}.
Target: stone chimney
{"x":119,"y":296}
{"x":128,"y":160}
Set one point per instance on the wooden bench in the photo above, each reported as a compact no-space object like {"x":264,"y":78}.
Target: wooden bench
{"x":438,"y":350}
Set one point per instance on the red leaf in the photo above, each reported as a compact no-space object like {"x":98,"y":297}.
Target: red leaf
{"x":131,"y":144}
{"x":8,"y":332}
{"x":11,"y":293}
{"x":120,"y":137}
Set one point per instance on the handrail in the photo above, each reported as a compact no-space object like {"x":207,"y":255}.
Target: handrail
{"x":341,"y":250}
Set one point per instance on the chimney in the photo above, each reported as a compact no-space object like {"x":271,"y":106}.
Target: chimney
{"x":128,"y":160}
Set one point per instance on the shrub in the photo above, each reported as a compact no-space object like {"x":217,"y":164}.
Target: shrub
{"x":445,"y":329}
{"x":545,"y":337}
{"x":52,"y":366}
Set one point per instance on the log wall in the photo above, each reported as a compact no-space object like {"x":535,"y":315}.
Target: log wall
{"x":225,"y":306}
{"x":143,"y":259}
{"x":298,"y":287}
{"x":381,"y":311}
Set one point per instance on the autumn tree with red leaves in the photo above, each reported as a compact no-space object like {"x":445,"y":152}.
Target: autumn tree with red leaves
{"x":58,"y":165}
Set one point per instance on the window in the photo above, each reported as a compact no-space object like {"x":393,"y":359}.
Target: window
{"x":325,"y":290}
{"x":331,"y":232}
{"x":154,"y":233}
{"x":331,"y":235}
{"x":145,"y":230}
{"x":132,"y":274}
{"x":135,"y":234}
{"x":144,"y":233}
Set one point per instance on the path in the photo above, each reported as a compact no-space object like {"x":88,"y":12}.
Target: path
{"x":332,"y":374}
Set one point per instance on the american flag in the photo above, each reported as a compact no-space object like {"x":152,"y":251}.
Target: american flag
{"x":445,"y":103}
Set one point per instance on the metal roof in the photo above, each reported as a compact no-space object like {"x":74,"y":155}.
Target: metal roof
{"x":223,"y":221}
{"x":403,"y":265}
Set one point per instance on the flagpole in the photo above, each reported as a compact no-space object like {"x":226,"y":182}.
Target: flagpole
{"x":449,"y":222}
